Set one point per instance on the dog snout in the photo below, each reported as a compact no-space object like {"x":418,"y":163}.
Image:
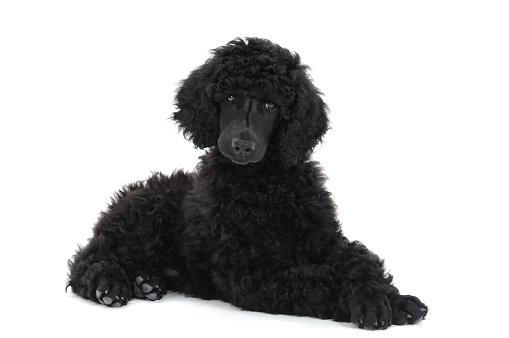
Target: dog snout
{"x":242,"y":147}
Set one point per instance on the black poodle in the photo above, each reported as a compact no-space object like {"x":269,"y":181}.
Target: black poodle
{"x":253,"y":225}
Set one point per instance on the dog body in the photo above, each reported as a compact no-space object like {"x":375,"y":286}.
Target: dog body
{"x":253,"y":225}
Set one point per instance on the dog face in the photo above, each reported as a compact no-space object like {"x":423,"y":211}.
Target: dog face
{"x":246,"y":125}
{"x":249,"y":95}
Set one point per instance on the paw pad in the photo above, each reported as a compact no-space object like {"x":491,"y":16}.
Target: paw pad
{"x":149,"y":287}
{"x":112,"y":293}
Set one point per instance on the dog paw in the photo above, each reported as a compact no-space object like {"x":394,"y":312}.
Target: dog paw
{"x":407,"y":310}
{"x":149,"y":286}
{"x":370,"y":311}
{"x":113,"y":293}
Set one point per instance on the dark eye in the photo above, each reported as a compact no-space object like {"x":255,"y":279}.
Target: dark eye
{"x":231,"y":98}
{"x":270,"y":105}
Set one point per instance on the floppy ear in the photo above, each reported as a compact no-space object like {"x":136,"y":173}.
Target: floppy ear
{"x":198,"y":115}
{"x":306,"y":123}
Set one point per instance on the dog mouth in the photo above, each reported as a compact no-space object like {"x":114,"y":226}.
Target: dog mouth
{"x":241,"y":160}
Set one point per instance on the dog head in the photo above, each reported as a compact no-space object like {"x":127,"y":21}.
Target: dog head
{"x":251,"y":94}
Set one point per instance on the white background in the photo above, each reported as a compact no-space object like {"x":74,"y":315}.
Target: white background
{"x":417,"y":159}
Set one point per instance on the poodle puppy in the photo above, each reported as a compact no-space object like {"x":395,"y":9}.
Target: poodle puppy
{"x":253,"y":224}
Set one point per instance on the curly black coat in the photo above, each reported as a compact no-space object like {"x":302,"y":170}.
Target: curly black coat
{"x":262,"y":235}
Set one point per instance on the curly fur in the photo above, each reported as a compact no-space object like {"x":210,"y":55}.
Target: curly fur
{"x":262,"y":68}
{"x":262,"y":236}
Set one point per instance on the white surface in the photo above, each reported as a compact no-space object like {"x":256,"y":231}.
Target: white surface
{"x":417,"y":158}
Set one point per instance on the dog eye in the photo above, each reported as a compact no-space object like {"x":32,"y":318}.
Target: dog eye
{"x":231,"y":98}
{"x":270,"y":105}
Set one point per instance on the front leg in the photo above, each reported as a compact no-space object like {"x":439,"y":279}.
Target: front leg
{"x":374,"y":303}
{"x":351,"y":286}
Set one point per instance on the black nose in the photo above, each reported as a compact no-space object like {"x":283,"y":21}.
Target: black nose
{"x":242,"y":147}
